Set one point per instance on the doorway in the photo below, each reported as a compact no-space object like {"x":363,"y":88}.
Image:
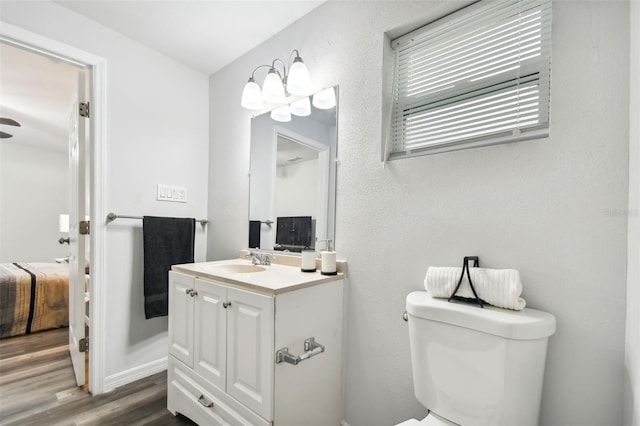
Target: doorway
{"x":93,"y":67}
{"x":46,"y":178}
{"x":301,"y":186}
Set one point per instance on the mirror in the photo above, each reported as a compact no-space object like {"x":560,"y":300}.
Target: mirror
{"x":292,"y":182}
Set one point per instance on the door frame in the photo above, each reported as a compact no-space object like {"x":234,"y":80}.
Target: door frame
{"x":323,"y":174}
{"x":96,"y":68}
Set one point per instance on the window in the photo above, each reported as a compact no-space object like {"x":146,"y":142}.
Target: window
{"x":477,"y":77}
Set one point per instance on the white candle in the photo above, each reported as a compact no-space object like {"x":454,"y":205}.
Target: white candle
{"x":308,"y":263}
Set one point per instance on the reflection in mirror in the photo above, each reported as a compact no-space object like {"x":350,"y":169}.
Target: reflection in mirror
{"x":292,"y":181}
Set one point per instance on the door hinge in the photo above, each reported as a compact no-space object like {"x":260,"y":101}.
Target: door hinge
{"x":84,"y":227}
{"x":85,"y":109}
{"x":83,"y":345}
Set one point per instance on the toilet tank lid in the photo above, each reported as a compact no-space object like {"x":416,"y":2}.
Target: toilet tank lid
{"x":528,"y":324}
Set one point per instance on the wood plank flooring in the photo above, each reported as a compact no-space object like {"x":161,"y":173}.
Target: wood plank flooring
{"x":37,"y":387}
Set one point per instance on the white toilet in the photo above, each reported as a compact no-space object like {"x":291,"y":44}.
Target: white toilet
{"x":476,"y":366}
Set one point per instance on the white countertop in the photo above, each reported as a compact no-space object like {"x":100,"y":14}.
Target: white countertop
{"x":275,"y":279}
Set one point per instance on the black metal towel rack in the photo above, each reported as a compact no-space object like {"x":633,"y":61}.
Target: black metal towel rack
{"x":465,"y":268}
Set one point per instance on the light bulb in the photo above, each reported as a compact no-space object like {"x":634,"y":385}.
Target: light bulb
{"x":301,"y":107}
{"x":282,"y":114}
{"x":252,"y":96}
{"x":299,"y":80}
{"x":272,"y":88}
{"x":325,"y":99}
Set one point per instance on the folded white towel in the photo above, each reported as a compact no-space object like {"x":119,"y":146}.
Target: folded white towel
{"x":497,"y":287}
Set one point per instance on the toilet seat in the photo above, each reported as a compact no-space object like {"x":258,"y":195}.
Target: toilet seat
{"x":431,"y":420}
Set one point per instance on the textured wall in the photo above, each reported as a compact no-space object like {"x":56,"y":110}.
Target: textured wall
{"x":546,"y":207}
{"x":632,"y":359}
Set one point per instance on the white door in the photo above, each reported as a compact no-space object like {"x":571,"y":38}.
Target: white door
{"x":250,"y":350}
{"x":77,"y":243}
{"x":181,"y":303}
{"x":210,"y":357}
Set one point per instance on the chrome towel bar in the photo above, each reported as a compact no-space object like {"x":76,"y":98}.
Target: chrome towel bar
{"x":112,"y":216}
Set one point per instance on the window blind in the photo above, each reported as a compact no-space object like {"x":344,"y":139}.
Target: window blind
{"x":477,"y":77}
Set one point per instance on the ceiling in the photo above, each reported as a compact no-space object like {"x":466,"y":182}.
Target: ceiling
{"x":35,"y":90}
{"x":290,"y":151}
{"x":205,"y":35}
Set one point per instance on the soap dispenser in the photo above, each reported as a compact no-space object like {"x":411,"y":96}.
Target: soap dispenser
{"x":328,"y":261}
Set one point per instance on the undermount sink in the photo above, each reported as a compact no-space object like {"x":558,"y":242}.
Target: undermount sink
{"x":237,"y":269}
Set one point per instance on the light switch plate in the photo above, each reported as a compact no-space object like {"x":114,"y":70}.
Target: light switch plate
{"x":176,"y":194}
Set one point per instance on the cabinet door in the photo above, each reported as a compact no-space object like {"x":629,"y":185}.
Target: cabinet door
{"x":250,"y":350}
{"x":181,"y":317}
{"x":210,"y":332}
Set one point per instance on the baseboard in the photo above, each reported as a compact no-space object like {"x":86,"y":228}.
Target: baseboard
{"x":140,"y":372}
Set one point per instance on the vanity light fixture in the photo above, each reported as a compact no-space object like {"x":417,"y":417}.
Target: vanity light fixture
{"x":252,"y":96}
{"x":276,"y":84}
{"x":282,"y":114}
{"x":301,"y":107}
{"x":273,"y":88}
{"x":325,"y":99}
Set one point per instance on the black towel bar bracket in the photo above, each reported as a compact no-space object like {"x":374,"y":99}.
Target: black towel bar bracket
{"x":112,"y":216}
{"x":465,"y":268}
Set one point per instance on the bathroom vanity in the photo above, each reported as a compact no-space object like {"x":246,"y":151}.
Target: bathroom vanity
{"x":255,"y":345}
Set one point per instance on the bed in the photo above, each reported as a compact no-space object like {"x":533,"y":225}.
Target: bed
{"x":33,"y":297}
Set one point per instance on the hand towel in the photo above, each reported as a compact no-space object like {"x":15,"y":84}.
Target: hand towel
{"x":166,"y":241}
{"x":254,"y":234}
{"x":497,"y":287}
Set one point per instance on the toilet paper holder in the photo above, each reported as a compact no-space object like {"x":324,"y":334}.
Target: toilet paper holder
{"x":311,"y":348}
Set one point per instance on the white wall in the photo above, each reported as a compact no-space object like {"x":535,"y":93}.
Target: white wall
{"x":632,"y":358}
{"x":33,"y":193}
{"x":546,"y":207}
{"x":156,"y":132}
{"x":296,"y":189}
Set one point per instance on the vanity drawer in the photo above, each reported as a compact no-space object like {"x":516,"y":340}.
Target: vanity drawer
{"x":188,"y":396}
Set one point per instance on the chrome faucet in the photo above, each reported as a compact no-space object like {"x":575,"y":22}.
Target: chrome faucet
{"x":259,"y":258}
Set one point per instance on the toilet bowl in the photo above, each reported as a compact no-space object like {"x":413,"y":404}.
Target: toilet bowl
{"x":432,"y":419}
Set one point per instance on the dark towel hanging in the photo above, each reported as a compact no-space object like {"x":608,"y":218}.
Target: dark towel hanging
{"x":166,"y":241}
{"x":254,"y":234}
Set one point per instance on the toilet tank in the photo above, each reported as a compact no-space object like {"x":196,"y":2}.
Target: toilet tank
{"x":478,"y":366}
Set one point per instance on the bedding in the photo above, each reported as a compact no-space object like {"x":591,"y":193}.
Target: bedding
{"x":33,"y":297}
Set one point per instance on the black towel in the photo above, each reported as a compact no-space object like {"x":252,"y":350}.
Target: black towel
{"x":254,"y":234}
{"x":166,"y":241}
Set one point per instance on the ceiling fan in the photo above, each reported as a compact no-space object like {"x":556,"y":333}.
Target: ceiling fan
{"x":8,"y":122}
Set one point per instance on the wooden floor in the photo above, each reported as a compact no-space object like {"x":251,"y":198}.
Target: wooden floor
{"x":37,"y":387}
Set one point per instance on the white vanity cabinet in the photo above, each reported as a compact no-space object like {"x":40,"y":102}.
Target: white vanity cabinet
{"x":223,"y":344}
